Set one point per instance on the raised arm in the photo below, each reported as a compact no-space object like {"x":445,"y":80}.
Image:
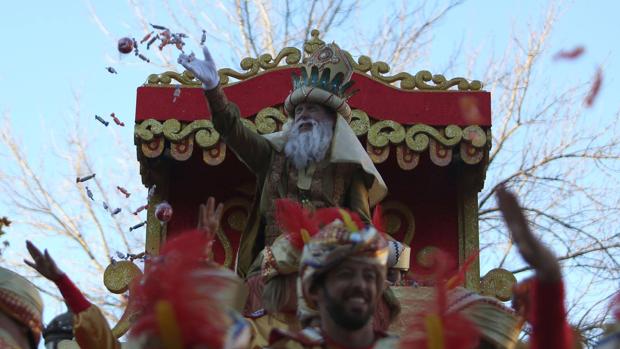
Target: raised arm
{"x":251,"y":148}
{"x":547,"y":314}
{"x":90,"y":328}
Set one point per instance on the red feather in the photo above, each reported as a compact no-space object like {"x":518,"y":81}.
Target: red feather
{"x":292,"y":217}
{"x":180,"y":276}
{"x":325,"y":216}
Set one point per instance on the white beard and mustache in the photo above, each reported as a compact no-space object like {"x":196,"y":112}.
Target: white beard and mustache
{"x":308,"y":147}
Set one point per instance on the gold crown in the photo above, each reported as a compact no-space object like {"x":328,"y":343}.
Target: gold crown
{"x":328,"y":69}
{"x":325,"y":78}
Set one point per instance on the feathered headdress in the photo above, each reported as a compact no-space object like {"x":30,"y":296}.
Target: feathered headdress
{"x":178,"y":296}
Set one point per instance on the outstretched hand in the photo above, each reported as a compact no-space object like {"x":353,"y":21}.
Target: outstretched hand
{"x":43,"y":263}
{"x":203,"y":70}
{"x":209,"y":216}
{"x":533,"y":251}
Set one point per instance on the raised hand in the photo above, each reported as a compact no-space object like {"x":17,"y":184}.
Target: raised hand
{"x":203,"y":70}
{"x":535,"y":253}
{"x":43,"y":263}
{"x":209,"y":216}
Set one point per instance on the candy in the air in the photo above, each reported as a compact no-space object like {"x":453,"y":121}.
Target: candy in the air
{"x":111,"y":70}
{"x":124,"y":191}
{"x":125,"y":45}
{"x":163,"y":212}
{"x":100,"y":119}
{"x":137,"y":226}
{"x":140,"y":209}
{"x":85,"y":178}
{"x":116,"y":120}
{"x":90,"y":194}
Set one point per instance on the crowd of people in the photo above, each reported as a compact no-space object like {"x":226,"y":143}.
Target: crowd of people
{"x":315,"y":268}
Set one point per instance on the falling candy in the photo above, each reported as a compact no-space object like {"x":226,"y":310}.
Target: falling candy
{"x":176,"y":93}
{"x":158,"y":27}
{"x":116,"y":120}
{"x":137,"y":226}
{"x":163,"y":212}
{"x":116,"y":211}
{"x":596,"y":87}
{"x":124,"y":191}
{"x":146,"y":37}
{"x":89,"y":194}
{"x":136,"y":51}
{"x":100,"y":119}
{"x":111,"y":70}
{"x":143,"y":57}
{"x":140,"y":209}
{"x":572,"y":54}
{"x":125,"y":45}
{"x":203,"y":38}
{"x":85,"y":178}
{"x":105,"y":206}
{"x":148,"y":44}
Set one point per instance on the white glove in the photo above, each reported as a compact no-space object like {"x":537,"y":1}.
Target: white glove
{"x":205,"y":71}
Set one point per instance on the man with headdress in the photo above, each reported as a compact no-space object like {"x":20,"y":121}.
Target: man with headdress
{"x":342,"y":273}
{"x":316,"y":159}
{"x":20,"y":312}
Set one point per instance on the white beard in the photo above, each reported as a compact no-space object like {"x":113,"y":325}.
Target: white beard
{"x":308,"y":147}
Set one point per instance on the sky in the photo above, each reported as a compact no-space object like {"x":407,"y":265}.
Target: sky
{"x":55,"y":53}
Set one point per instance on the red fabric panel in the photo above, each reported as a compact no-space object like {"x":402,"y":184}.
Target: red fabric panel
{"x":192,"y":182}
{"x":430,"y":192}
{"x":438,"y":108}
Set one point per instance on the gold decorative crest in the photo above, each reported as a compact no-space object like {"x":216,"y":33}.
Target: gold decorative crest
{"x":423,"y":80}
{"x":382,"y":137}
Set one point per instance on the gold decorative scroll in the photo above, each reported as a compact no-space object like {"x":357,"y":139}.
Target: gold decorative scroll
{"x":407,"y":159}
{"x":440,"y":154}
{"x":377,"y":155}
{"x":267,"y":120}
{"x":360,"y":123}
{"x":498,"y":283}
{"x":425,"y":256}
{"x":216,"y":155}
{"x":399,"y":218}
{"x":154,"y":148}
{"x":187,"y":79}
{"x":182,"y":150}
{"x":250,"y":67}
{"x":471,"y":142}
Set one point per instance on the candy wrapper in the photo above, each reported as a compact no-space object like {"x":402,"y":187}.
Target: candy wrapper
{"x":100,"y":119}
{"x":140,"y":209}
{"x":137,"y":226}
{"x":163,"y":212}
{"x":117,"y":120}
{"x":85,"y":178}
{"x":124,"y":191}
{"x":125,"y":45}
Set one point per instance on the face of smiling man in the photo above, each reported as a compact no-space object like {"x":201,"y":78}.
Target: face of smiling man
{"x":349,"y":294}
